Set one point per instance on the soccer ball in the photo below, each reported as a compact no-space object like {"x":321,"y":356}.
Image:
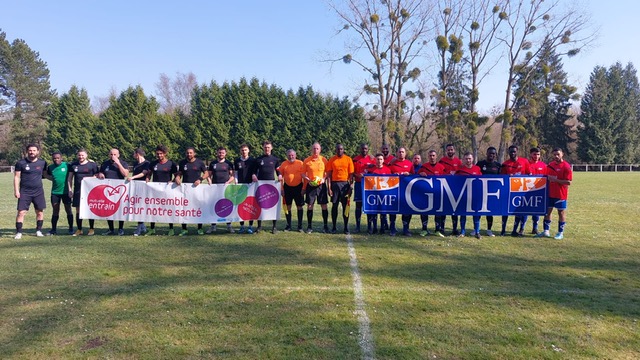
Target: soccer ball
{"x":316,"y":181}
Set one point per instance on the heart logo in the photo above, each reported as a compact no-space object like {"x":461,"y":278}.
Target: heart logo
{"x":104,"y":200}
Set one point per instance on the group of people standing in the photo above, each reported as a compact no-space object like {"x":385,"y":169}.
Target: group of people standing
{"x":314,"y":179}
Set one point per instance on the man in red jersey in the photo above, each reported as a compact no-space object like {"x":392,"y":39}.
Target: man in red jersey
{"x":514,"y":166}
{"x":469,"y":169}
{"x":451,"y":164}
{"x":536,"y":167}
{"x":380,"y":169}
{"x":560,"y":176}
{"x":432,"y":168}
{"x":361,"y":162}
{"x":388,"y":157}
{"x":400,"y":166}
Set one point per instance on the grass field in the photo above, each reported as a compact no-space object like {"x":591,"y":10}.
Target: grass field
{"x":291,"y":295}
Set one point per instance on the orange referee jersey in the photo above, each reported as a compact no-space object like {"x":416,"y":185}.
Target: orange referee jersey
{"x":292,"y":172}
{"x":315,"y":167}
{"x":341,"y":168}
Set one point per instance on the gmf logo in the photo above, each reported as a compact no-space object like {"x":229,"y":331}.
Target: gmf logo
{"x":381,"y":182}
{"x":104,"y":200}
{"x":526,"y":184}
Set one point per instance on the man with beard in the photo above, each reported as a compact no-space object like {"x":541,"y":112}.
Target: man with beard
{"x":451,"y":164}
{"x":28,"y":188}
{"x":361,"y":162}
{"x":560,"y":177}
{"x":490,"y":166}
{"x":191,"y":170}
{"x":80,"y":169}
{"x":114,"y":168}
{"x":340,"y":176}
{"x":432,"y":168}
{"x":57,"y":173}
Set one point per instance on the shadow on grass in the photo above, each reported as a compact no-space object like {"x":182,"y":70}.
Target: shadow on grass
{"x":604,"y":283}
{"x":117,"y":269}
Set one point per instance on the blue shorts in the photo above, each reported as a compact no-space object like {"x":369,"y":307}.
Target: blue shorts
{"x":357,"y":191}
{"x":557,"y":203}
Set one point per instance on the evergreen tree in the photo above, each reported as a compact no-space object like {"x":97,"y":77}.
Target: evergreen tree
{"x":609,"y":121}
{"x":25,"y":93}
{"x":71,"y":123}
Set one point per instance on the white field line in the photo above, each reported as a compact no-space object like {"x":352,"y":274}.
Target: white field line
{"x":365,"y":338}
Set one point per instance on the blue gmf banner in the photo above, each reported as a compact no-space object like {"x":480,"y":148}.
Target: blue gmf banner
{"x":454,"y":195}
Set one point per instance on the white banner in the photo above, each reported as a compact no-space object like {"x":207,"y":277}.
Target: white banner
{"x":184,"y":204}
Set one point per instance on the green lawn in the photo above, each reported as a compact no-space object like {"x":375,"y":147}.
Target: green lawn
{"x":291,"y":295}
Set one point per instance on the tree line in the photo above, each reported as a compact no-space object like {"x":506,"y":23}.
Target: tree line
{"x":538,"y":109}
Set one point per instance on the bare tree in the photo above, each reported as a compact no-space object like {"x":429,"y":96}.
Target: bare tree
{"x":389,"y":37}
{"x":175,"y":95}
{"x":529,"y":26}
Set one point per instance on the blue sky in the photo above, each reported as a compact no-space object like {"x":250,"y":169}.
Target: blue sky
{"x":100,"y":45}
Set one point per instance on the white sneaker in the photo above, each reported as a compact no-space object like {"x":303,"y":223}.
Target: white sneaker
{"x":230,"y":229}
{"x":490,"y":233}
{"x":39,"y":233}
{"x":18,"y":236}
{"x":212,"y":229}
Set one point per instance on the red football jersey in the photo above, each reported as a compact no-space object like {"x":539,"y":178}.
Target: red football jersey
{"x":361,"y":163}
{"x":433,"y":169}
{"x":563,"y":172}
{"x":401,"y":166}
{"x":537,"y":167}
{"x":451,"y":165}
{"x":465,"y":171}
{"x":518,"y":167}
{"x":384,"y":170}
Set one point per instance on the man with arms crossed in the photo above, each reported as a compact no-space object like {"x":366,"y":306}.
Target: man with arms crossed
{"x":340,"y":177}
{"x":80,"y":169}
{"x":28,"y":188}
{"x":161,"y":170}
{"x":57,"y":173}
{"x":291,"y":171}
{"x":191,"y":170}
{"x":560,"y":176}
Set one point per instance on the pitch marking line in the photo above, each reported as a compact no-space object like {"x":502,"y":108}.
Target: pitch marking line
{"x":365,"y":339}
